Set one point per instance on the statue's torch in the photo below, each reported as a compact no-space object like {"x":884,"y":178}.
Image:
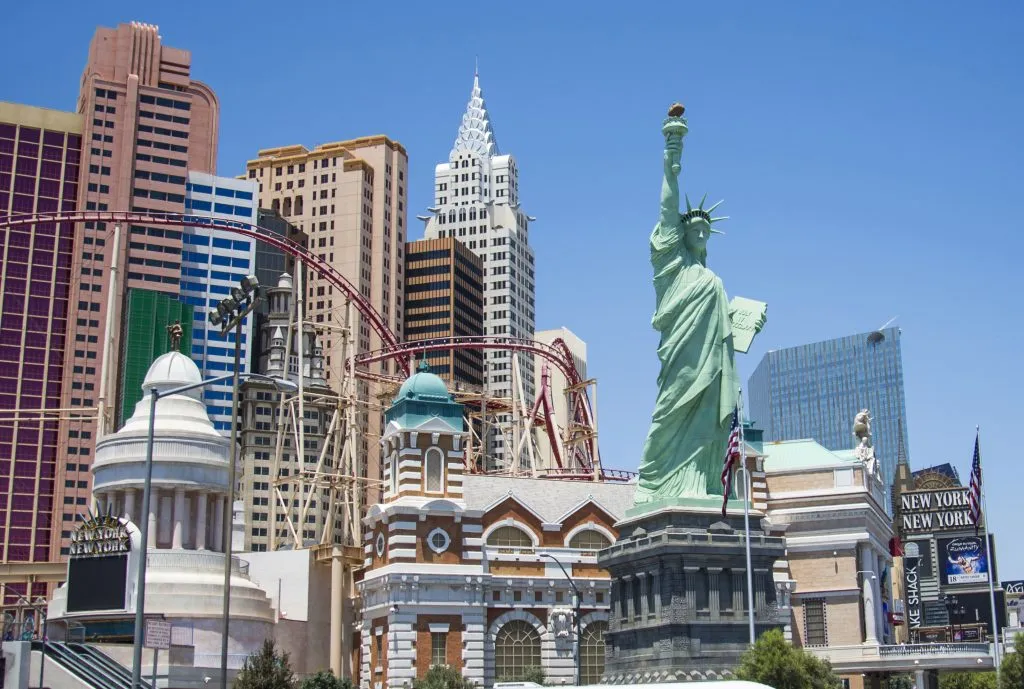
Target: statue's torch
{"x":675,"y":129}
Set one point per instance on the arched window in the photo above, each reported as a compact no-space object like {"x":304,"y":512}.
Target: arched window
{"x":516,"y":651}
{"x":472,"y":214}
{"x":462,"y":214}
{"x":589,"y":539}
{"x":451,"y":216}
{"x":510,"y":537}
{"x":287,"y":206}
{"x":298,"y":205}
{"x":592,"y":653}
{"x":434,"y":471}
{"x":275,"y":205}
{"x":394,"y":474}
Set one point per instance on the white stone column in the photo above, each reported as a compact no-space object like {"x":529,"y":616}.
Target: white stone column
{"x":218,"y":524}
{"x":201,"y":500}
{"x":869,"y":600}
{"x":179,"y":517}
{"x":154,"y":504}
{"x":337,"y":596}
{"x":129,"y":505}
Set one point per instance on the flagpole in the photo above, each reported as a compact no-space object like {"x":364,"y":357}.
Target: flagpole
{"x":988,"y":557}
{"x":748,"y":485}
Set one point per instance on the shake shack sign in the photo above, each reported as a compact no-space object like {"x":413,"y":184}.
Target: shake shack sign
{"x":912,"y":584}
{"x":928,"y":511}
{"x":100,"y":536}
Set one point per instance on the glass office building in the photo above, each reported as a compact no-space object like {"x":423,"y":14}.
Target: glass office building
{"x":212,"y":263}
{"x":814,"y":391}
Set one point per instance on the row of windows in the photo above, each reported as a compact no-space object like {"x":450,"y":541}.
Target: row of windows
{"x":164,"y":102}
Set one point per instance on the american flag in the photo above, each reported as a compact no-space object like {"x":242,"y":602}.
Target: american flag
{"x":732,"y":454}
{"x":975,"y":490}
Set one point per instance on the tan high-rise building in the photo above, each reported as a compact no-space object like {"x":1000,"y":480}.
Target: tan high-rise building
{"x":349,"y":197}
{"x":145,"y":124}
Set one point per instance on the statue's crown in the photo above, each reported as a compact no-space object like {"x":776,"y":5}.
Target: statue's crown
{"x":702,"y":213}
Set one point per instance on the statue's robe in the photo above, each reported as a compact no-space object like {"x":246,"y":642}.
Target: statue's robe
{"x":698,"y":387}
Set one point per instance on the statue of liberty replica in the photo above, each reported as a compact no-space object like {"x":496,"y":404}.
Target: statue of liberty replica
{"x":680,"y":608}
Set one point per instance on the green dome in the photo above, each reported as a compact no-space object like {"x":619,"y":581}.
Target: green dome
{"x":424,"y":385}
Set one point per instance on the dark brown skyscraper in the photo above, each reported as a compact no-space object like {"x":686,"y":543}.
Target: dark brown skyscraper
{"x":444,"y":298}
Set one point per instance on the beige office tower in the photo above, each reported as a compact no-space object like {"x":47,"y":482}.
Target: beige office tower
{"x":145,"y":124}
{"x":546,"y":457}
{"x":349,"y":197}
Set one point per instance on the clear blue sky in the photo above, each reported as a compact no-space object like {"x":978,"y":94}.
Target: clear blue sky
{"x":870,"y":155}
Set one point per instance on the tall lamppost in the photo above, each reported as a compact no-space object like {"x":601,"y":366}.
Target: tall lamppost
{"x":140,"y":597}
{"x":229,"y":315}
{"x":953,"y":610}
{"x":577,"y":600}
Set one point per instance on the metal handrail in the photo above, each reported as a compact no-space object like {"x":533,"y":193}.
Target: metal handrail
{"x":934,"y":649}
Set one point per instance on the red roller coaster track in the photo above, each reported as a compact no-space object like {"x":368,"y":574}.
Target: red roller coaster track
{"x":557,"y":352}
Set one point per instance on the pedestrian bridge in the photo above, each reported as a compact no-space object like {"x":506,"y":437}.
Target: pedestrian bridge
{"x":866,"y":658}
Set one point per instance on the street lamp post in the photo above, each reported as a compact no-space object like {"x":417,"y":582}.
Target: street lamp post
{"x":577,"y":600}
{"x":230,"y":315}
{"x":140,"y":586}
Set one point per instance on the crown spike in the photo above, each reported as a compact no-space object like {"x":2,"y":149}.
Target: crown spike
{"x":714,"y":231}
{"x":702,"y":200}
{"x":688,"y":206}
{"x":724,"y":217}
{"x":712,"y":209}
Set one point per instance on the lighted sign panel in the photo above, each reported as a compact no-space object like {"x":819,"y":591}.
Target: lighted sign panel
{"x":931,"y":511}
{"x":98,"y":565}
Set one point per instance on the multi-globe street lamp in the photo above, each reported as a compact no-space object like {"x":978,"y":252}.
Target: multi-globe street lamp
{"x":229,"y":314}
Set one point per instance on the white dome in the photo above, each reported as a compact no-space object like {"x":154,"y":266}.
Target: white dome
{"x":173,"y":370}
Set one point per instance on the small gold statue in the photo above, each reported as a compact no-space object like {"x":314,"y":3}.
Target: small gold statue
{"x":175,"y":332}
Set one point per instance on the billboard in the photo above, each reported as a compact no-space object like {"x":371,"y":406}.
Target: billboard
{"x":963,"y":561}
{"x":98,"y":565}
{"x":930,"y":511}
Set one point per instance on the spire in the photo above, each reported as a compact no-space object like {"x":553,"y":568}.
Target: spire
{"x":475,"y":133}
{"x":901,"y":451}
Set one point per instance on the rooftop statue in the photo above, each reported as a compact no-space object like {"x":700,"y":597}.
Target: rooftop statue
{"x":698,"y":386}
{"x":865,"y":450}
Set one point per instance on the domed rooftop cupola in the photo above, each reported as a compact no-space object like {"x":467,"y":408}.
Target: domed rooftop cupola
{"x":424,"y":396}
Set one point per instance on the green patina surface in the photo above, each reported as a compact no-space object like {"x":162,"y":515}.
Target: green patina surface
{"x":698,"y":386}
{"x":144,"y":338}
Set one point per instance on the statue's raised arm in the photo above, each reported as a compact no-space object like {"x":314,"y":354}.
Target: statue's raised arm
{"x":674,"y":129}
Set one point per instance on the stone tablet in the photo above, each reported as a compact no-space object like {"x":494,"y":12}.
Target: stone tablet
{"x":746,"y":314}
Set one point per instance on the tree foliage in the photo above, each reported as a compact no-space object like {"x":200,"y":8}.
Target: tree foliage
{"x":530,"y":674}
{"x":442,"y":677}
{"x":1011,"y":674}
{"x":267,"y":668}
{"x":778,"y":664}
{"x":967,"y":680}
{"x":325,"y":679}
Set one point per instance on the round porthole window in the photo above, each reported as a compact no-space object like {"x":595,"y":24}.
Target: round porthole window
{"x":439,"y":540}
{"x":380,"y":545}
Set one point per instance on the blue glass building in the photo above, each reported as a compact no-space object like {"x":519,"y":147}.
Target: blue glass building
{"x":814,"y":391}
{"x":212,"y":263}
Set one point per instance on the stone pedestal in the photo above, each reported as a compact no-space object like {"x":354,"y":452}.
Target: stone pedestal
{"x":679,"y":592}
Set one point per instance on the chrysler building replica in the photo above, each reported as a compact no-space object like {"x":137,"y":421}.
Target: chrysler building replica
{"x":476,"y":200}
